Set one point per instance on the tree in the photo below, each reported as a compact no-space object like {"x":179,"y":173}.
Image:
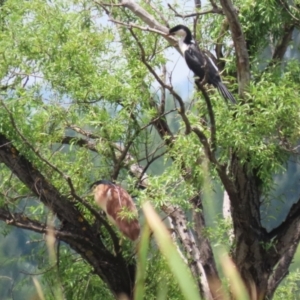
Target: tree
{"x":87,"y":93}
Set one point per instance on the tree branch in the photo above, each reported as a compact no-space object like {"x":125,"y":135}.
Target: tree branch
{"x":36,"y":182}
{"x":22,"y":221}
{"x":81,"y":142}
{"x":163,"y":129}
{"x":213,"y":131}
{"x":286,"y":6}
{"x":133,"y":25}
{"x":282,"y":269}
{"x":282,"y":45}
{"x":291,"y":219}
{"x":203,"y":139}
{"x":76,"y":231}
{"x":165,"y":86}
{"x":219,"y":44}
{"x":179,"y":221}
{"x":284,"y":239}
{"x":243,"y":65}
{"x":205,"y":249}
{"x":143,"y":15}
{"x":214,"y":10}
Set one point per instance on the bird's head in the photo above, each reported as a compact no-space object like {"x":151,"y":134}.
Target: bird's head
{"x":179,"y":30}
{"x":185,"y":35}
{"x":101,"y":191}
{"x":99,"y":182}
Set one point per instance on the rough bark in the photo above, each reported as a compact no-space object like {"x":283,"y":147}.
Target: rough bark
{"x":203,"y":244}
{"x":250,"y":236}
{"x":262,"y":258}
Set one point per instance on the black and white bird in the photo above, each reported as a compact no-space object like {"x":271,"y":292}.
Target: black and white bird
{"x":199,"y":62}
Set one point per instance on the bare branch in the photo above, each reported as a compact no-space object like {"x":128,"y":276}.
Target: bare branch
{"x":227,"y":215}
{"x":158,"y":12}
{"x":165,"y":86}
{"x":121,"y":158}
{"x":243,"y":65}
{"x":187,"y":239}
{"x":144,"y":15}
{"x":22,"y":221}
{"x":81,"y":142}
{"x":83,"y":132}
{"x":133,"y":25}
{"x":213,"y":3}
{"x":214,"y":10}
{"x":128,"y":159}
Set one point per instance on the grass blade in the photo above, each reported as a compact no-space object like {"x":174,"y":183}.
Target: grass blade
{"x":177,"y":266}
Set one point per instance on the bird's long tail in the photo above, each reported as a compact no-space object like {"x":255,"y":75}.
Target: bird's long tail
{"x":225,"y":93}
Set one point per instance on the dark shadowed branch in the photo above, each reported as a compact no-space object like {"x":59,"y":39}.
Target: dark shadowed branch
{"x":282,"y":45}
{"x":213,"y":131}
{"x":282,"y":269}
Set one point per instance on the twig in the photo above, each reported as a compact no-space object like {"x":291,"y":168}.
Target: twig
{"x":214,"y":10}
{"x":132,"y":25}
{"x":39,"y":273}
{"x":286,"y":7}
{"x":160,"y":81}
{"x":108,"y":4}
{"x":158,"y":12}
{"x":67,"y":178}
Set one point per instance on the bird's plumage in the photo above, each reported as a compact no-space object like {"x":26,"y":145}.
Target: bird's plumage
{"x":118,"y":206}
{"x":199,"y":62}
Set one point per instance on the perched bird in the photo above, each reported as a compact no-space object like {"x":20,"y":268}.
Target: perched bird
{"x":199,"y":62}
{"x":118,"y":206}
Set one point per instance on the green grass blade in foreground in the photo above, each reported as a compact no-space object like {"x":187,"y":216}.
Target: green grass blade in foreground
{"x":237,"y":285}
{"x":177,"y":266}
{"x":38,"y":287}
{"x":139,"y":291}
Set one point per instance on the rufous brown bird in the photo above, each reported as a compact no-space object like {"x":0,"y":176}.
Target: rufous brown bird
{"x":118,"y":206}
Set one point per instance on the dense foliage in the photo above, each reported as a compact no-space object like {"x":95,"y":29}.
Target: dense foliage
{"x":90,"y":90}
